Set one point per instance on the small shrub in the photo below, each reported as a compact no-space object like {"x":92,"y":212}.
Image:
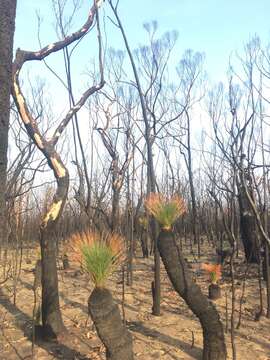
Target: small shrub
{"x":214,"y":271}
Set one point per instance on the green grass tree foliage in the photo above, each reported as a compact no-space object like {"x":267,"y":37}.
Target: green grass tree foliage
{"x":99,"y":256}
{"x":167,"y":211}
{"x":214,"y":271}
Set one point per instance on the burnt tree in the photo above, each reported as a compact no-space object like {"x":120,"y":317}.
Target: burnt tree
{"x":248,"y":226}
{"x":51,"y":316}
{"x":214,"y":347}
{"x":7,"y":27}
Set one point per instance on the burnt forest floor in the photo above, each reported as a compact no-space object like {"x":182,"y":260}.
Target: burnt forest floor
{"x":174,"y":335}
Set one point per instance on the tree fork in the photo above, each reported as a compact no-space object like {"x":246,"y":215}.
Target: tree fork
{"x":51,"y":315}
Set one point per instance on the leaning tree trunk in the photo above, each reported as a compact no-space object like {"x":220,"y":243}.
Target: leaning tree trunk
{"x":7,"y":26}
{"x":112,"y":332}
{"x":214,"y":347}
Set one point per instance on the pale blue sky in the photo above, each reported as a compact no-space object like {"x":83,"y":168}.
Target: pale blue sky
{"x":216,"y":27}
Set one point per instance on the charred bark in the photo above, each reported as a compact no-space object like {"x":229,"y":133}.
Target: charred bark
{"x":112,"y":332}
{"x":214,"y":347}
{"x":151,"y":179}
{"x":7,"y":27}
{"x":51,"y":315}
{"x":248,"y":228}
{"x":117,"y":183}
{"x":37,"y":295}
{"x":214,"y":292}
{"x":144,"y":243}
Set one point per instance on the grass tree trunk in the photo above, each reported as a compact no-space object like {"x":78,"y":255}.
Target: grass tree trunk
{"x":112,"y":332}
{"x":214,"y":347}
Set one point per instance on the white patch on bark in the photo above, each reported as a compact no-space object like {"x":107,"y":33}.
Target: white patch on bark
{"x":60,"y":170}
{"x":99,"y":3}
{"x":21,"y":103}
{"x":51,"y":46}
{"x":38,"y":141}
{"x":117,"y":184}
{"x":53,"y":212}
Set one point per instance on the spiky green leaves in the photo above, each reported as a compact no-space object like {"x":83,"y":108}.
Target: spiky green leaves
{"x":165,"y":210}
{"x":214,"y":271}
{"x":98,"y":255}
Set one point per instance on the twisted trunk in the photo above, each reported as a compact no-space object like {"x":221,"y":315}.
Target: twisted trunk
{"x":214,"y":347}
{"x":112,"y":332}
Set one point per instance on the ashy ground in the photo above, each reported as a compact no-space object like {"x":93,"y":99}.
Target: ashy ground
{"x":175,"y":335}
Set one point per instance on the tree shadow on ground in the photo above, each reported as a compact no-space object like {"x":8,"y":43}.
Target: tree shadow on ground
{"x":72,"y":303}
{"x":57,"y":349}
{"x":76,"y":304}
{"x":261,"y":342}
{"x":137,"y":326}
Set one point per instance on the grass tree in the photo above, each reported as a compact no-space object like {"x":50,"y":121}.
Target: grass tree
{"x":99,"y":256}
{"x":166,"y":212}
{"x":214,"y":271}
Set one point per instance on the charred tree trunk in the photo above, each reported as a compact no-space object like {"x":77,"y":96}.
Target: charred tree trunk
{"x":192,"y":189}
{"x":117,"y":176}
{"x":144,"y":243}
{"x":112,"y":332}
{"x":116,"y":188}
{"x":214,"y":292}
{"x":51,"y":315}
{"x":248,"y":227}
{"x":149,"y":139}
{"x":37,"y":295}
{"x":7,"y":27}
{"x":214,"y":347}
{"x":66,"y":265}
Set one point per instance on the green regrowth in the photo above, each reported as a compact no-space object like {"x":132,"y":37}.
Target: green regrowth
{"x":165,"y":211}
{"x":97,"y":261}
{"x":98,"y":255}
